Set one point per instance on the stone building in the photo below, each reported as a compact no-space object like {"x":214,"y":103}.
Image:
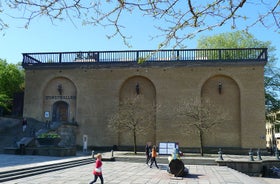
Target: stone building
{"x":82,"y":90}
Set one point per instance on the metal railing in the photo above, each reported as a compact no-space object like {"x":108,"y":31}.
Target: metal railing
{"x":140,"y":56}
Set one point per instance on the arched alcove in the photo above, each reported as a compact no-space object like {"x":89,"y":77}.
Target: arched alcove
{"x":60,"y":100}
{"x":224,"y":92}
{"x":143,"y":90}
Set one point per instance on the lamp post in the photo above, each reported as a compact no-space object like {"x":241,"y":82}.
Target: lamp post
{"x":220,"y":86}
{"x":137,"y":88}
{"x":59,"y":89}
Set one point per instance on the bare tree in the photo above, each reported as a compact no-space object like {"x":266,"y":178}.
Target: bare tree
{"x":177,"y":20}
{"x":202,"y":116}
{"x":133,"y":118}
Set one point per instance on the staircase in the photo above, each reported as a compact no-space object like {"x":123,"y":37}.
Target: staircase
{"x":12,"y":135}
{"x":14,"y":141}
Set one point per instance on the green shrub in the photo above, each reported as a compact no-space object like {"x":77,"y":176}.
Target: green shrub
{"x":52,"y":135}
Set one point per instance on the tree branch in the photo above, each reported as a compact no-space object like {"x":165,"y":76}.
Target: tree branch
{"x":176,"y":20}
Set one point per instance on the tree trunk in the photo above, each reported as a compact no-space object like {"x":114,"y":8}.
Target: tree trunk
{"x":201,"y":142}
{"x":134,"y":141}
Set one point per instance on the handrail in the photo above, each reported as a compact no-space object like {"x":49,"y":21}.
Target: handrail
{"x":139,"y":56}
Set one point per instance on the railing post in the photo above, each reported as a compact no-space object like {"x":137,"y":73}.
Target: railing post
{"x":265,"y":54}
{"x":137,"y":56}
{"x":60,"y":57}
{"x":220,"y":54}
{"x":24,"y":58}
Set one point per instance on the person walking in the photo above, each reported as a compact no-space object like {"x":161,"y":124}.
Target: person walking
{"x":24,"y":124}
{"x":154,"y":155}
{"x":148,"y":153}
{"x":97,"y":172}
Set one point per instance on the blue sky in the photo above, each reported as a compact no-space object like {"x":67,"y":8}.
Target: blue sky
{"x":43,"y":36}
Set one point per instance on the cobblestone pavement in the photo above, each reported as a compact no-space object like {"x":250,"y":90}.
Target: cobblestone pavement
{"x":120,"y":172}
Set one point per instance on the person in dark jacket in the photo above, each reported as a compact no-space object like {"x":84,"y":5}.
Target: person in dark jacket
{"x":24,"y":124}
{"x":148,"y":153}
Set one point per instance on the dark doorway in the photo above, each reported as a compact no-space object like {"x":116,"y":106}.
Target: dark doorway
{"x":60,"y":111}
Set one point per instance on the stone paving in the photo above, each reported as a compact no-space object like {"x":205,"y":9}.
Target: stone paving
{"x":120,"y":172}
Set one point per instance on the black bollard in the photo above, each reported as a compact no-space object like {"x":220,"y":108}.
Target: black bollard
{"x":259,"y":154}
{"x":251,"y":158}
{"x":276,"y":153}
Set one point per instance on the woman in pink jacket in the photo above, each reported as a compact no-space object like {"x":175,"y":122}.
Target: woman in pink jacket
{"x":98,"y":169}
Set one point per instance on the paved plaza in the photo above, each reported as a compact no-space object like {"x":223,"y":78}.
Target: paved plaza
{"x":125,"y":172}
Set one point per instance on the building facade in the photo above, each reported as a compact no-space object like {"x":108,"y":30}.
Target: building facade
{"x":85,"y":89}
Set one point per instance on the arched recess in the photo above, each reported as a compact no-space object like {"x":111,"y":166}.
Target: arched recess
{"x":141,"y":88}
{"x":60,"y":100}
{"x":225,"y":93}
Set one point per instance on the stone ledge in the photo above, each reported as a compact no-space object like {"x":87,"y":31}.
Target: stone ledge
{"x":51,"y":151}
{"x":251,"y":168}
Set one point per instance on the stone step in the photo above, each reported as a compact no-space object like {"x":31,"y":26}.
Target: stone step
{"x":25,"y":141}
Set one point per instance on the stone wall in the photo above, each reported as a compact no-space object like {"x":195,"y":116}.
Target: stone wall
{"x":90,"y":96}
